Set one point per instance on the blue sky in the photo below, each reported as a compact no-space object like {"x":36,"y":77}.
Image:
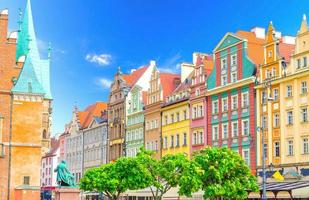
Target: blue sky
{"x":92,"y":38}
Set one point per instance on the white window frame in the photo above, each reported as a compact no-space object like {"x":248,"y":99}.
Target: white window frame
{"x":234,"y":59}
{"x":276,"y":94}
{"x":245,"y":99}
{"x":245,"y":128}
{"x":289,"y":91}
{"x":224,"y":102}
{"x":223,"y":64}
{"x":276,"y":120}
{"x":247,"y":160}
{"x":304,"y":114}
{"x":224,"y":80}
{"x":234,"y":77}
{"x":233,"y":128}
{"x":235,"y":102}
{"x":304,"y":88}
{"x":215,"y":107}
{"x":289,"y":116}
{"x":215,"y":133}
{"x":305,"y":145}
{"x":290,"y":147}
{"x":277,"y":146}
{"x":225,"y":131}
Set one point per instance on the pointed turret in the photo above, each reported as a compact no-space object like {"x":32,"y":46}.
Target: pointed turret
{"x":270,"y":33}
{"x":27,"y":46}
{"x":304,"y":26}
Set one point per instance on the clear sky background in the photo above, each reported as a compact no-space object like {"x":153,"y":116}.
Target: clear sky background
{"x":91,"y":38}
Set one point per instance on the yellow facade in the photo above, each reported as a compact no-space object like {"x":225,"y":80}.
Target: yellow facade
{"x":286,"y":128}
{"x":176,"y":128}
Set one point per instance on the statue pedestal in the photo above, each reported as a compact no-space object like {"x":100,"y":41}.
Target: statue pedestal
{"x":67,"y":194}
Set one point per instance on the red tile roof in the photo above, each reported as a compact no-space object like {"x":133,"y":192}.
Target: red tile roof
{"x":169,"y":83}
{"x":255,"y":46}
{"x":285,"y":50}
{"x":94,"y":110}
{"x":132,"y":78}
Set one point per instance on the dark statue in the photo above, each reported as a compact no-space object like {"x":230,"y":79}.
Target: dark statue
{"x":64,"y":176}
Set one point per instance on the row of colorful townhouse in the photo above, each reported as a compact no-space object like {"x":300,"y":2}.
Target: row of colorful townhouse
{"x":254,"y":83}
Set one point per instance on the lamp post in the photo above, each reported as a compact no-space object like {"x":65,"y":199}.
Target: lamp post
{"x":266,"y":85}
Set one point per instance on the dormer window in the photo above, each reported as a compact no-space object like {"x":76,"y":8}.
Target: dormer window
{"x":223,"y":64}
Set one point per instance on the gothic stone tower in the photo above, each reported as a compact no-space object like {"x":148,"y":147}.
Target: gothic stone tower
{"x":25,"y":108}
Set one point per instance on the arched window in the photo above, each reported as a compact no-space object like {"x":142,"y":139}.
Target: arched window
{"x":44,"y":134}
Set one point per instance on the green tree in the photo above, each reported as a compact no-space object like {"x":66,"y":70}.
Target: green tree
{"x":113,"y":179}
{"x":167,"y":172}
{"x":223,"y":173}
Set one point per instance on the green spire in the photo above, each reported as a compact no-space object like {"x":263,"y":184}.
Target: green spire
{"x":27,"y":46}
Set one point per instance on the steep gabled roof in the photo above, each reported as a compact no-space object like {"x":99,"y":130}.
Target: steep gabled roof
{"x":94,"y":110}
{"x":169,"y":83}
{"x":255,"y":46}
{"x":132,"y":78}
{"x":208,"y":64}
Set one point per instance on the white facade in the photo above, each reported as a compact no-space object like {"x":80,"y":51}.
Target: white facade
{"x":74,"y":148}
{"x":95,"y":144}
{"x":48,"y":165}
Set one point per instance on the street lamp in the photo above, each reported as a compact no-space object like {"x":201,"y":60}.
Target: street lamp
{"x":267,"y":85}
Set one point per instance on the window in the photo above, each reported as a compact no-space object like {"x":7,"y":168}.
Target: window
{"x":185,"y":139}
{"x":201,"y":138}
{"x":223,"y":80}
{"x":166,"y":119}
{"x":197,"y":92}
{"x":26,"y":180}
{"x":177,"y":117}
{"x":224,"y":105}
{"x":233,"y":77}
{"x":268,"y":74}
{"x":246,"y":156}
{"x":289,"y":91}
{"x":184,"y":114}
{"x":274,"y":72}
{"x":264,"y":97}
{"x":290,"y":148}
{"x":177,"y":140}
{"x":225,"y":131}
{"x":290,"y":117}
{"x":245,"y":99}
{"x":194,"y":112}
{"x":276,"y":94}
{"x":270,"y":54}
{"x":304,"y":87}
{"x":304,"y":115}
{"x":165,"y":142}
{"x":245,"y":127}
{"x":234,"y":102}
{"x":304,"y":61}
{"x":235,"y":129}
{"x":234,"y":60}
{"x":200,"y":113}
{"x":264,"y":122}
{"x":276,"y":120}
{"x":215,"y":107}
{"x":172,"y":118}
{"x":305,"y":146}
{"x":223,"y":64}
{"x":277,"y":149}
{"x":194,"y":138}
{"x":215,"y":135}
{"x":298,"y":63}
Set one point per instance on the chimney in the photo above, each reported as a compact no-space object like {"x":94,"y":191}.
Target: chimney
{"x":4,"y":16}
{"x":259,"y":32}
{"x":288,"y":39}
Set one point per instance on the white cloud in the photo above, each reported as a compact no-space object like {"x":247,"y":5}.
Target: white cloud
{"x":103,"y":82}
{"x":171,"y":65}
{"x":102,"y":59}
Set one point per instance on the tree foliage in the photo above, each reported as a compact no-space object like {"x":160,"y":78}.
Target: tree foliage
{"x":116,"y":178}
{"x":167,"y":172}
{"x":223,"y":173}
